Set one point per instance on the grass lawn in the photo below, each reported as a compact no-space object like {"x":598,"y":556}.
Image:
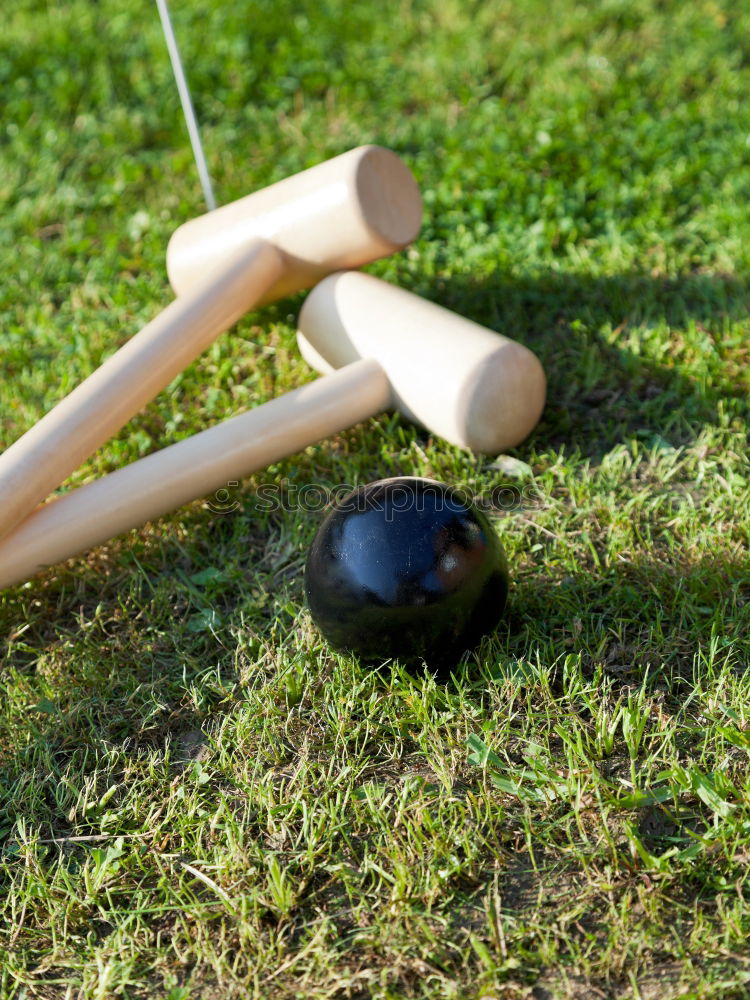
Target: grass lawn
{"x":197,"y":798}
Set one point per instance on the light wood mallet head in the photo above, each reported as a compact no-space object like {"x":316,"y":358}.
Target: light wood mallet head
{"x":465,"y":383}
{"x":343,"y":213}
{"x":340,"y":214}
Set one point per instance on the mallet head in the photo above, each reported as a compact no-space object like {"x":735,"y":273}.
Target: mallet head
{"x":469,"y":385}
{"x":342,"y":213}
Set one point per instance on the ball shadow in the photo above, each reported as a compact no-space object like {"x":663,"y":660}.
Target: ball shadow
{"x":677,"y":620}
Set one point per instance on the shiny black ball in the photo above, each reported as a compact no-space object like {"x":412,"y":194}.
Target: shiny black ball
{"x":406,"y":568}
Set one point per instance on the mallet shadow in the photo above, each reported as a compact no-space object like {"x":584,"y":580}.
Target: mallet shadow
{"x":592,"y":336}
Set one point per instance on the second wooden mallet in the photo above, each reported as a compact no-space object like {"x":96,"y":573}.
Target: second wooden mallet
{"x":345,"y":212}
{"x":392,"y":349}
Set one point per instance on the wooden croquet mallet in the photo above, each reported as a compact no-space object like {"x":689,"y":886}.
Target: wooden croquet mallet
{"x":342,"y":213}
{"x":392,"y":349}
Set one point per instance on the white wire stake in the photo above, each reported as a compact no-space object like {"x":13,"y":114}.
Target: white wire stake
{"x":187,"y":105}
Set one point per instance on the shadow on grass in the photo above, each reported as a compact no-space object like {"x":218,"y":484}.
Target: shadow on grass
{"x":677,"y":620}
{"x":651,"y":612}
{"x":629,"y":618}
{"x":617,"y":349}
{"x":600,"y":392}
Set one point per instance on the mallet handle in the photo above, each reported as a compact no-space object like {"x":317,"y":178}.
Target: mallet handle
{"x":100,"y":406}
{"x":193,"y":468}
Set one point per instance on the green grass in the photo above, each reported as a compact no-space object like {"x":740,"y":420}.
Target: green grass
{"x":197,"y":798}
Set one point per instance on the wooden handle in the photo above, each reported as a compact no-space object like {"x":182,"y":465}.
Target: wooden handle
{"x":39,"y":461}
{"x":192,"y":468}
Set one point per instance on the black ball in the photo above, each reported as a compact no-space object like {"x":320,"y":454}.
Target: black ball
{"x":406,"y":568}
